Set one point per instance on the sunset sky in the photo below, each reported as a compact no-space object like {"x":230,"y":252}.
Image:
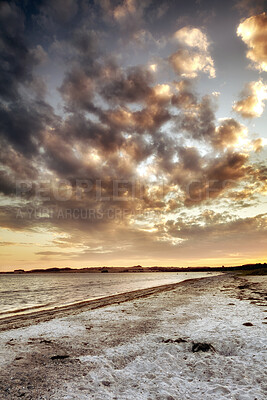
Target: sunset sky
{"x":132,"y":132}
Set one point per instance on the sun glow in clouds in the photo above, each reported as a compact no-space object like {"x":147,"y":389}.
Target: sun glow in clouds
{"x":253,"y":31}
{"x":252,"y":105}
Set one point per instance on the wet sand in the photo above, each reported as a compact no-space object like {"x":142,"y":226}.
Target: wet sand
{"x":19,"y":321}
{"x":141,"y":348}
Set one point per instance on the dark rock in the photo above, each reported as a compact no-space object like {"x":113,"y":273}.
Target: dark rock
{"x":247,"y":324}
{"x":246,"y":286}
{"x":179,"y":340}
{"x":202,"y":347}
{"x":106,"y":383}
{"x":58,"y":357}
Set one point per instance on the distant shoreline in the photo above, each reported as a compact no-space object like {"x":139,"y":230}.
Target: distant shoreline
{"x":139,"y":268}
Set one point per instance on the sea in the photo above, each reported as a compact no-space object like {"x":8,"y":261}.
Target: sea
{"x":25,"y":293}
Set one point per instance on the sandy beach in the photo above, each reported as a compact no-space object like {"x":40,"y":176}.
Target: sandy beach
{"x":142,"y":348}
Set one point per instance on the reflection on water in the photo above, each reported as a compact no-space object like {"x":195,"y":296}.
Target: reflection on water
{"x":26,"y":293}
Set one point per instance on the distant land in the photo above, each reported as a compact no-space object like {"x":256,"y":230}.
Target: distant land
{"x":139,"y":268}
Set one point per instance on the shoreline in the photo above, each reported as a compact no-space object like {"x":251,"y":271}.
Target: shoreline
{"x":142,"y":348}
{"x":26,"y":319}
{"x":137,"y":269}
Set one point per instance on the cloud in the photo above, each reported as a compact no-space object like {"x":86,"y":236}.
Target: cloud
{"x":128,"y":15}
{"x":190,"y":159}
{"x":229,"y":134}
{"x":120,"y":117}
{"x":194,"y":57}
{"x":185,"y":98}
{"x":204,"y":179}
{"x":258,"y":144}
{"x":130,"y":86}
{"x":22,"y":124}
{"x":250,"y":6}
{"x":24,"y":114}
{"x":197,"y":117}
{"x":61,"y":11}
{"x":77,"y":90}
{"x":253,"y":32}
{"x":17,"y":60}
{"x":145,"y":40}
{"x":230,"y":165}
{"x":212,"y":227}
{"x":7,"y":187}
{"x":192,"y":37}
{"x":126,"y":9}
{"x":188,"y":63}
{"x":252,"y":104}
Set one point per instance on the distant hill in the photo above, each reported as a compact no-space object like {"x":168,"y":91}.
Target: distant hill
{"x":139,"y":268}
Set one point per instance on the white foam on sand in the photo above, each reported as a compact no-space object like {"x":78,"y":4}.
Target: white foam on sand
{"x":129,"y":359}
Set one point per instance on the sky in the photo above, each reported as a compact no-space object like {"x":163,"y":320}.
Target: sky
{"x":132,"y":132}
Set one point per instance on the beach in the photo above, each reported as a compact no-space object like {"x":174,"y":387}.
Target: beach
{"x":140,"y":347}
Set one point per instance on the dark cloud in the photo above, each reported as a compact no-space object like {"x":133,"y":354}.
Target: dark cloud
{"x":185,"y":98}
{"x":95,"y":135}
{"x":60,"y":11}
{"x":22,"y":124}
{"x":215,"y":226}
{"x":250,"y":6}
{"x":130,"y":86}
{"x":16,"y":58}
{"x":22,"y":120}
{"x":6,"y":186}
{"x":190,"y":158}
{"x":77,"y":90}
{"x":203,"y":179}
{"x":85,"y":41}
{"x":198,"y":119}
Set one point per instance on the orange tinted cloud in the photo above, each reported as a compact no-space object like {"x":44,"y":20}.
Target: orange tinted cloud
{"x":252,"y":106}
{"x":194,"y":57}
{"x":192,"y":37}
{"x":253,"y":31}
{"x":188,"y":63}
{"x":229,"y":134}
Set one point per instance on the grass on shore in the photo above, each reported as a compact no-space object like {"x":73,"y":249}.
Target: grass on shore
{"x":260,"y":271}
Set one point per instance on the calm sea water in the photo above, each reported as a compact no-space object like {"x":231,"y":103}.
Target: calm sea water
{"x":26,"y":293}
